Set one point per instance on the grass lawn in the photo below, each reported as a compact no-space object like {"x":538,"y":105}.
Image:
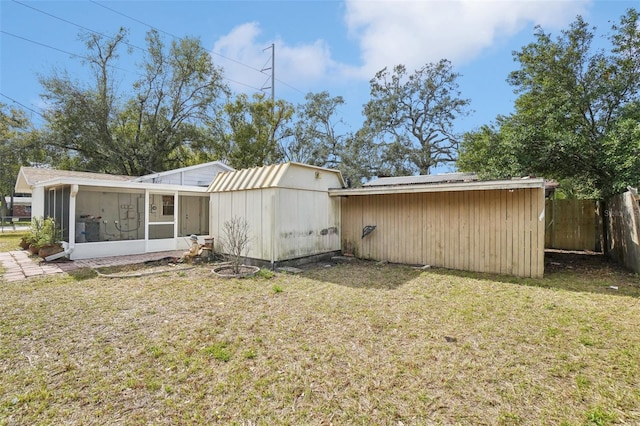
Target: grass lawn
{"x":10,"y":240}
{"x":352,"y":344}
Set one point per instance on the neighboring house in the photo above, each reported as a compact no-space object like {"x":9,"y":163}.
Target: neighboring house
{"x":106,"y":215}
{"x":453,"y":221}
{"x":287,"y":208}
{"x":198,"y":175}
{"x":19,"y":206}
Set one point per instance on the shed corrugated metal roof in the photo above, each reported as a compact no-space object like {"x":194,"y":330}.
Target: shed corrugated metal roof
{"x":412,"y":180}
{"x":254,"y":178}
{"x":264,"y":177}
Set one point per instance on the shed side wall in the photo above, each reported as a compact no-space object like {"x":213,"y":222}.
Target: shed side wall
{"x":495,"y":231}
{"x":256,"y":206}
{"x":307,"y":223}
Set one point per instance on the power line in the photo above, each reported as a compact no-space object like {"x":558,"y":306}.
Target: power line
{"x":126,"y":43}
{"x":42,"y":44}
{"x":290,"y":86}
{"x":134,"y":19}
{"x":111,"y":37}
{"x":89,"y":59}
{"x":63,"y":51}
{"x":212,"y":52}
{"x":77,"y":25}
{"x":170,"y":34}
{"x":23,"y":105}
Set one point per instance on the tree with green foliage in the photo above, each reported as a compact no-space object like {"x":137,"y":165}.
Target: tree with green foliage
{"x":577,"y":114}
{"x":315,"y":137}
{"x":19,"y":146}
{"x":251,"y":132}
{"x":148,"y":128}
{"x":410,"y":118}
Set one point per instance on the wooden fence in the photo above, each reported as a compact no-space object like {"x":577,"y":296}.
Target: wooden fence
{"x":497,"y":231}
{"x":623,"y":223}
{"x":573,"y":225}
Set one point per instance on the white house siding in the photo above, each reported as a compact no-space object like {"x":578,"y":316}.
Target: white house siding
{"x":200,"y":175}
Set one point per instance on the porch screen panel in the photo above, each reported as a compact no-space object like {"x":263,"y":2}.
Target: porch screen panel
{"x":109,"y":216}
{"x":162,"y":215}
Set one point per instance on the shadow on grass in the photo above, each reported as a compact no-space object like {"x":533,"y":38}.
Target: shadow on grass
{"x":570,"y":271}
{"x":365,"y":274}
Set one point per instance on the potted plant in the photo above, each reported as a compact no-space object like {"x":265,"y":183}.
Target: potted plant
{"x":35,"y":234}
{"x":24,"y":243}
{"x":50,"y":237}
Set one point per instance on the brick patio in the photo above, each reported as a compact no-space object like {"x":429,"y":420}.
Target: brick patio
{"x":19,"y":265}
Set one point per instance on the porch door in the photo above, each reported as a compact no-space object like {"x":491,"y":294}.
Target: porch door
{"x":57,"y":207}
{"x":162,"y":223}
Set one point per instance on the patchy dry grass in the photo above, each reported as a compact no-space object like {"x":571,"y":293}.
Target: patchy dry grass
{"x":352,"y":344}
{"x":10,"y":240}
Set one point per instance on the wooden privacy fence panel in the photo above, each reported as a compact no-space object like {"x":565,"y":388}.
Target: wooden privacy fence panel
{"x":496,"y":231}
{"x":623,"y":217}
{"x":573,"y":225}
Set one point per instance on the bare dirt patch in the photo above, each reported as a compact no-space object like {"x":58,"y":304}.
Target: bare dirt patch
{"x":581,"y":262}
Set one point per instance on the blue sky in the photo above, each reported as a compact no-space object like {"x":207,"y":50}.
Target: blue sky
{"x":334,"y":46}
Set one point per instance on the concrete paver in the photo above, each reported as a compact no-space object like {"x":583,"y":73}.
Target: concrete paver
{"x":18,"y":265}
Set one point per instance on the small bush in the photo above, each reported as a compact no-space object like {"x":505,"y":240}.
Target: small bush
{"x":218,"y":351}
{"x":599,"y":417}
{"x":265,"y":274}
{"x":235,"y":240}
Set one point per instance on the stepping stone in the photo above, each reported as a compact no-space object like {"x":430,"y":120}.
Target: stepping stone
{"x":14,"y":277}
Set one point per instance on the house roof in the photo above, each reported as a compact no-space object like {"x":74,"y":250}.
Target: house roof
{"x":31,"y":177}
{"x":167,"y":188}
{"x":220,"y":164}
{"x":28,"y":177}
{"x":262,"y":177}
{"x":440,"y":186}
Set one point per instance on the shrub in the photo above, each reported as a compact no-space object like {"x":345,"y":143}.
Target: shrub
{"x":235,"y":240}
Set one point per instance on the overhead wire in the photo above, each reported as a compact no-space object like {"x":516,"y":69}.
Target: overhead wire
{"x":83,"y":57}
{"x":212,"y":51}
{"x":170,"y":34}
{"x":77,"y":25}
{"x":128,"y":44}
{"x":23,"y":105}
{"x":89,"y":59}
{"x":86,"y":58}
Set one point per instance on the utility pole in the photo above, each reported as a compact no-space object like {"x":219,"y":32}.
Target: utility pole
{"x":273,"y":73}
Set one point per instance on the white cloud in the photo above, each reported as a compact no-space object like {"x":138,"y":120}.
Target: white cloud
{"x":390,"y":32}
{"x":298,"y":65}
{"x":416,"y":32}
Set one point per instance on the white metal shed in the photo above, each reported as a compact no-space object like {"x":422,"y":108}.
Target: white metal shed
{"x":287,"y":207}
